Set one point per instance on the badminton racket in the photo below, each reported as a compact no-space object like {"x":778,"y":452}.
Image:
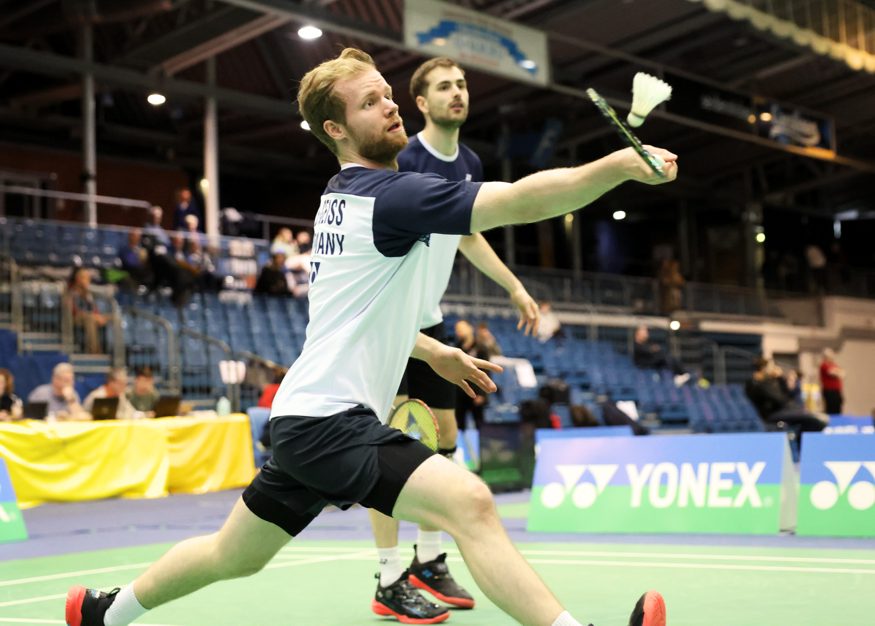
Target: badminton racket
{"x":414,"y":419}
{"x":627,"y":135}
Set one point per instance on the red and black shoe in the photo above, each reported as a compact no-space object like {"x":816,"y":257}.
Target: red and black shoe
{"x":86,"y":607}
{"x":649,"y":610}
{"x":401,"y":601}
{"x":435,"y":578}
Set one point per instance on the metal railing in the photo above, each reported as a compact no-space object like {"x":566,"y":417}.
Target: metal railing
{"x":153,"y":344}
{"x":201,"y":376}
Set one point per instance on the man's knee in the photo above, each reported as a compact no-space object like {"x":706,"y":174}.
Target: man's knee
{"x":230,"y":562}
{"x":475,"y":504}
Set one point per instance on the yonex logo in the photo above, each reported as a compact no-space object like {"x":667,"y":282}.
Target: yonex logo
{"x":860,"y":495}
{"x":583,"y":494}
{"x":662,"y":485}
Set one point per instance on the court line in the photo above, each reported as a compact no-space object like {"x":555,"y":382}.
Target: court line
{"x":55,"y":596}
{"x":84,"y":572}
{"x":32,"y":620}
{"x":720,"y":566}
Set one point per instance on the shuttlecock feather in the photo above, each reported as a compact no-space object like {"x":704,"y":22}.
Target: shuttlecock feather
{"x":647,"y":93}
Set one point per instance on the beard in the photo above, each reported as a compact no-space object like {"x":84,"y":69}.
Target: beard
{"x":449,"y":119}
{"x":385,"y":149}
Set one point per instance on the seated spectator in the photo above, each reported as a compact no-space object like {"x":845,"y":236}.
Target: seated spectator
{"x":200,"y":263}
{"x":299,"y":266}
{"x":191,"y":231}
{"x":135,"y":259}
{"x":486,"y":341}
{"x":116,"y":386}
{"x":80,"y":302}
{"x":648,"y":354}
{"x":144,"y":396}
{"x":671,"y":286}
{"x":767,"y":391}
{"x":63,"y":401}
{"x":272,"y":280}
{"x":549,"y":326}
{"x":10,"y":404}
{"x":284,"y":242}
{"x":466,"y":340}
{"x":154,"y":235}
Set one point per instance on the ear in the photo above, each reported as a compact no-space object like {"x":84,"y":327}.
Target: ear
{"x":334,"y":130}
{"x":422,"y":104}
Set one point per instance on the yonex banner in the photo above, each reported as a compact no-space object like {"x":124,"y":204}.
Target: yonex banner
{"x":477,"y":40}
{"x":837,"y":491}
{"x":543,"y":434}
{"x":11,"y":523}
{"x":850,"y":425}
{"x":686,"y":483}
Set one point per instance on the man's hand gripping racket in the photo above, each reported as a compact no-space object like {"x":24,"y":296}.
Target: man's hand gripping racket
{"x":655,"y":162}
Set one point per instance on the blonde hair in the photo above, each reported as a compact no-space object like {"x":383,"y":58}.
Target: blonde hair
{"x":419,"y":82}
{"x":317,"y":99}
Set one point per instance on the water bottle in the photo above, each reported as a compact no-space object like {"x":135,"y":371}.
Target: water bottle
{"x":223,"y":407}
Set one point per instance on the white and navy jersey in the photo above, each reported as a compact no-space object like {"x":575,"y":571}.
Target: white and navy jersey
{"x":419,"y":156}
{"x":368,"y":271}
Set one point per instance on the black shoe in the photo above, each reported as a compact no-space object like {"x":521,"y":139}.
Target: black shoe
{"x":401,"y":601}
{"x":649,"y":610}
{"x":435,"y":578}
{"x":86,"y":607}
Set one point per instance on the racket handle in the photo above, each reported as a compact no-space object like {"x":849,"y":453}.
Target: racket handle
{"x":657,"y":163}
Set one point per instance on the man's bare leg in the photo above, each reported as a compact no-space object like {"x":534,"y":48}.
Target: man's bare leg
{"x":441,"y":494}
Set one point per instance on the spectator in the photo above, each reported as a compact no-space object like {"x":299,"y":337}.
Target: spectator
{"x":154,"y":234}
{"x":284,"y":242}
{"x":831,"y":383}
{"x":466,"y":340}
{"x":200,"y":263}
{"x":191,"y":231}
{"x":671,"y":284}
{"x":143,"y":396}
{"x":135,"y":259}
{"x":80,"y":302}
{"x":767,"y":391}
{"x":299,"y":266}
{"x":648,"y":354}
{"x":186,"y":206}
{"x":487,"y":344}
{"x":272,"y":280}
{"x":63,"y":401}
{"x":10,"y":404}
{"x":549,"y":326}
{"x":116,"y":386}
{"x":270,"y":389}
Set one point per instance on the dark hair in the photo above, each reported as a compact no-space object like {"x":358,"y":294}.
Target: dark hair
{"x":145,"y":372}
{"x":760,"y":363}
{"x":418,"y":82}
{"x":10,"y":380}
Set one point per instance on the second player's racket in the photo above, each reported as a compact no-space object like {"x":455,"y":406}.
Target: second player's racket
{"x":627,"y":135}
{"x":415,"y":419}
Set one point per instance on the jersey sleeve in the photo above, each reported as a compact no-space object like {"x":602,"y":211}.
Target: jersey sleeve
{"x":411,"y":205}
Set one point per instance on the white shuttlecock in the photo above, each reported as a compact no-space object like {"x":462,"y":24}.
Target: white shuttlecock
{"x":647,"y":93}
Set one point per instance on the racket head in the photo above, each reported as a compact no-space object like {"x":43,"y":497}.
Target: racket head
{"x":415,"y":419}
{"x":627,"y":135}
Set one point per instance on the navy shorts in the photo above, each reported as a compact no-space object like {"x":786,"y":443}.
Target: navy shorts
{"x":341,"y":459}
{"x":422,"y":382}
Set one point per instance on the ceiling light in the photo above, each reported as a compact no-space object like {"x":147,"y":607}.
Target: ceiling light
{"x":156,"y":99}
{"x":528,"y":64}
{"x":761,"y":237}
{"x":619,"y":215}
{"x":765,"y":116}
{"x":309,"y":32}
{"x":675,"y":325}
{"x":305,"y":125}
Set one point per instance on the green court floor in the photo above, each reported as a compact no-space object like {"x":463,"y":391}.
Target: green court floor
{"x":331,"y":584}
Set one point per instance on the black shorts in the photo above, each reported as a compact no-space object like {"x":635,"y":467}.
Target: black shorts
{"x":420,"y":381}
{"x":340,"y":459}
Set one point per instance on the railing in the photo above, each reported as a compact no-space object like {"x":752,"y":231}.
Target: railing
{"x":200,"y":369}
{"x":147,"y":351}
{"x":8,"y":289}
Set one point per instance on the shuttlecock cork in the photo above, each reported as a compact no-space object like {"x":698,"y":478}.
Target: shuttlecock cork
{"x":647,"y":93}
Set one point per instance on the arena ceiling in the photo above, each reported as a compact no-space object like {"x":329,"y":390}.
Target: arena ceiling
{"x":140,"y":45}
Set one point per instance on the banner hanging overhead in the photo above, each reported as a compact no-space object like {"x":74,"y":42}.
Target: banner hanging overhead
{"x":477,"y":40}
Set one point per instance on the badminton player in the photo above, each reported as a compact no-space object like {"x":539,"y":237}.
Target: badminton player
{"x":440,"y":91}
{"x":369,"y":288}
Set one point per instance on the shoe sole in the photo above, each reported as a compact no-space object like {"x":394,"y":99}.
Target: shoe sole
{"x":73,"y":608}
{"x":654,"y":609}
{"x":385,"y":611}
{"x":461,"y":603}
